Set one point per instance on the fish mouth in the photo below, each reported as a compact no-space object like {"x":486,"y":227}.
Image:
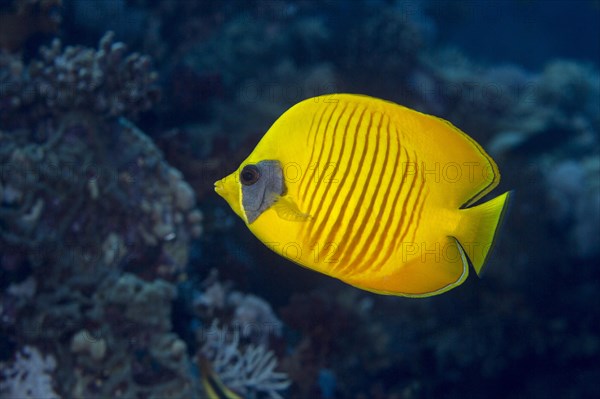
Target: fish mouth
{"x":219,"y":187}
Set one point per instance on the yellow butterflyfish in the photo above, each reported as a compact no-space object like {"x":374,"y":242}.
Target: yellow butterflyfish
{"x":372,"y":193}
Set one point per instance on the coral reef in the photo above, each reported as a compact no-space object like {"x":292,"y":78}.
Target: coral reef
{"x":130,"y":335}
{"x":77,"y":228}
{"x":96,"y":221}
{"x":104,"y":81}
{"x":560,"y":104}
{"x":386,"y":42}
{"x":237,"y":341}
{"x":477,"y":96}
{"x":574,"y":192}
{"x":58,"y":197}
{"x":329,"y":326}
{"x":78,"y":217}
{"x":29,"y":377}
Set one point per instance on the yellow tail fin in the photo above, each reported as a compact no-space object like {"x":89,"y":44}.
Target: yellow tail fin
{"x":477,"y":229}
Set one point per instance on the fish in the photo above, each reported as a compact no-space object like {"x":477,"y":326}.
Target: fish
{"x":370,"y":192}
{"x":213,"y":386}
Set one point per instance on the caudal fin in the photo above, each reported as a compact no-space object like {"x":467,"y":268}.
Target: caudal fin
{"x":477,"y":229}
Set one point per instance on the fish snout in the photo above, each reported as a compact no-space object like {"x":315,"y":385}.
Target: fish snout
{"x":219,"y":187}
{"x":226,"y":188}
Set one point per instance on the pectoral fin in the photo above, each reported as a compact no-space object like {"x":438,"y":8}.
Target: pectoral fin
{"x":287,"y":209}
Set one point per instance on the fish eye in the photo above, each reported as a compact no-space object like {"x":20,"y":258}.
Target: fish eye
{"x":249,"y":175}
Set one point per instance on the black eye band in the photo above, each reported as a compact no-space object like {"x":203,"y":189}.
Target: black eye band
{"x":249,"y":175}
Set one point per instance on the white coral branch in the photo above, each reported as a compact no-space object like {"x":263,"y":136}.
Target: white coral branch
{"x":29,"y":376}
{"x":249,"y":369}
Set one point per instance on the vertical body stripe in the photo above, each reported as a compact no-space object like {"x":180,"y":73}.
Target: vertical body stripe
{"x":396,"y":236}
{"x":342,"y":245}
{"x":311,"y":196}
{"x":393,"y":217}
{"x":314,"y":236}
{"x":322,"y":183}
{"x":365,"y":203}
{"x":309,"y":132}
{"x":419,"y":214}
{"x":393,"y":200}
{"x":303,"y":182}
{"x":408,"y":224}
{"x":375,"y":234}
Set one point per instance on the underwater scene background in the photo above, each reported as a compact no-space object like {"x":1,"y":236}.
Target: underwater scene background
{"x":123,"y":275}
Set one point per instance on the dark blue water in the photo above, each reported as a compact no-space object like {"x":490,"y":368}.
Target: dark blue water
{"x":528,"y":33}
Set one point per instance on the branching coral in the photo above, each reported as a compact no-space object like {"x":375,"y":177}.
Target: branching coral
{"x":249,"y":369}
{"x":238,"y":348}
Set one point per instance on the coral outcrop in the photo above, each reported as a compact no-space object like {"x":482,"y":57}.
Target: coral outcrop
{"x":95,"y":221}
{"x":106,"y":81}
{"x":29,"y":376}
